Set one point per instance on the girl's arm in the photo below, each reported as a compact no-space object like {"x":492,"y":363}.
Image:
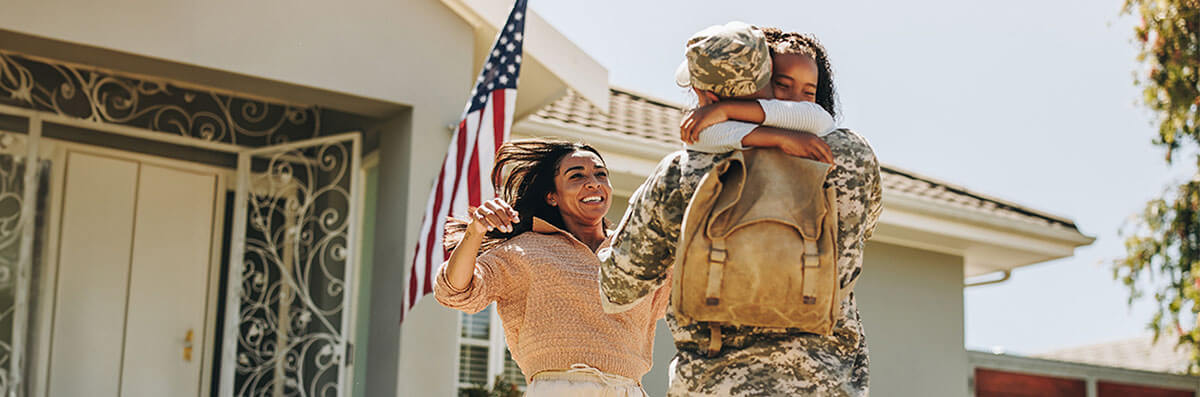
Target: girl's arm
{"x":788,"y":115}
{"x":736,"y":135}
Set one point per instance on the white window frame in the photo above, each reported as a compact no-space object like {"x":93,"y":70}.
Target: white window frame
{"x":495,"y":344}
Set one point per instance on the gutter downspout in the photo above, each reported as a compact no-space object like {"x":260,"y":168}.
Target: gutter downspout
{"x":1005,"y":275}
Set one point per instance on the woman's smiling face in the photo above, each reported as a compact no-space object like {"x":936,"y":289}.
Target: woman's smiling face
{"x":582,"y":191}
{"x":794,"y":77}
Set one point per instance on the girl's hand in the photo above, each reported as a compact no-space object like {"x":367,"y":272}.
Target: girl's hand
{"x":698,"y":120}
{"x":806,"y":145}
{"x":494,"y":214}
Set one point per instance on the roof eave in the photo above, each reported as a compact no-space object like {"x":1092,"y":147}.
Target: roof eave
{"x":987,"y":243}
{"x":552,"y":61}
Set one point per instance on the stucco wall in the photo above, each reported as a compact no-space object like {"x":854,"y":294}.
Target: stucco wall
{"x":370,"y":48}
{"x":416,"y":53}
{"x":911,"y":302}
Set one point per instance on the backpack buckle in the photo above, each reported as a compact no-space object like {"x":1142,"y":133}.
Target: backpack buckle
{"x":717,"y":255}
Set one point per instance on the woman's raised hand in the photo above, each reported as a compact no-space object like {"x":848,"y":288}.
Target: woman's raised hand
{"x":494,"y":214}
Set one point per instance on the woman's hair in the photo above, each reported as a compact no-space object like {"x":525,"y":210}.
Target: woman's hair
{"x":781,"y":42}
{"x":523,"y":176}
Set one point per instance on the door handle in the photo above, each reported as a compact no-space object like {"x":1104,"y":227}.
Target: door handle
{"x":187,"y":346}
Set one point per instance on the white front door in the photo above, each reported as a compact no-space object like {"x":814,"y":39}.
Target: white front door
{"x":133,"y":278}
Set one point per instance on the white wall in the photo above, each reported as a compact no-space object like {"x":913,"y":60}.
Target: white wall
{"x":371,"y":48}
{"x":416,"y":53}
{"x":911,"y":302}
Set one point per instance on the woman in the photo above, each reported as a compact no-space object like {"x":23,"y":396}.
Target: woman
{"x":536,"y":258}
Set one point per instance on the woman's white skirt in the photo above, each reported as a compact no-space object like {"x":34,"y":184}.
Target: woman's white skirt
{"x":582,"y":381}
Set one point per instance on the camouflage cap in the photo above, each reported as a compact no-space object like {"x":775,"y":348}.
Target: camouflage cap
{"x":730,"y":60}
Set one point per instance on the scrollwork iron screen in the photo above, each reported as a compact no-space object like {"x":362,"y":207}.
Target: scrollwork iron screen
{"x":298,"y":205}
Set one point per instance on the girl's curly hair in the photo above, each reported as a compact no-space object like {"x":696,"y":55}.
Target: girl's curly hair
{"x":782,"y":42}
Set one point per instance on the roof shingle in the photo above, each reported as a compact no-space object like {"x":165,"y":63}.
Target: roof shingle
{"x":641,"y":116}
{"x":1141,"y":353}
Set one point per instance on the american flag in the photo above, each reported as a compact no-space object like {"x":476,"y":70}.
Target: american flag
{"x":465,"y":180}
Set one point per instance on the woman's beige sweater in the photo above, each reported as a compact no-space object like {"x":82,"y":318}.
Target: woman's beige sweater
{"x":546,"y":287}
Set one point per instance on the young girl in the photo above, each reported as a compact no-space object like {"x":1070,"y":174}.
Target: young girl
{"x":804,"y":102}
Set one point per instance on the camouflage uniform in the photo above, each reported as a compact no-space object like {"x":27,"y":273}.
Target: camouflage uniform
{"x":754,"y":361}
{"x":730,"y":60}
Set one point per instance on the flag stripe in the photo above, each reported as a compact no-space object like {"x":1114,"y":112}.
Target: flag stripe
{"x":465,"y":177}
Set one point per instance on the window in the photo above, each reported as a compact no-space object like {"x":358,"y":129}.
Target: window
{"x":482,"y":353}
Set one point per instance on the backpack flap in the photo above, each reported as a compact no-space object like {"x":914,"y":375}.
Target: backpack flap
{"x":756,"y":247}
{"x":764,"y":197}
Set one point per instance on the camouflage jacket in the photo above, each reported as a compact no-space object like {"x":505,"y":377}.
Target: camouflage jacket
{"x":755,"y":360}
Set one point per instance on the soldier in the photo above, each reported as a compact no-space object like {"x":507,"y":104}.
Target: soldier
{"x":728,"y":62}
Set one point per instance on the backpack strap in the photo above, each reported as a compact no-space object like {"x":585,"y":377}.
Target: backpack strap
{"x":714,"y":339}
{"x":812,"y":260}
{"x":716,"y":270}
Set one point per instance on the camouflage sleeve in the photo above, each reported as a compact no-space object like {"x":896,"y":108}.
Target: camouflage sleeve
{"x":874,"y":200}
{"x":643,"y":245}
{"x":857,"y":183}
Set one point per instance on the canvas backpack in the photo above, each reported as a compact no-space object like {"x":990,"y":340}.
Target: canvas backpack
{"x":757,"y":247}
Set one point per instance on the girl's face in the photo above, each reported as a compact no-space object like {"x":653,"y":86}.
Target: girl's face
{"x":582,"y":191}
{"x":794,"y":77}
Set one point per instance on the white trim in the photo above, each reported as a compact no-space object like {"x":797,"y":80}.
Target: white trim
{"x":544,"y":44}
{"x":47,"y":283}
{"x":1086,"y":372}
{"x":17,"y":360}
{"x":212,"y":309}
{"x":980,"y":195}
{"x":368,"y":162}
{"x":899,"y":200}
{"x":354,"y":210}
{"x":496,"y":346}
{"x":986,"y":242}
{"x":237,"y":246}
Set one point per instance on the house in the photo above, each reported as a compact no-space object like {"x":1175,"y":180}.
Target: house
{"x":1133,"y":367}
{"x":221,"y":198}
{"x":145,"y":144}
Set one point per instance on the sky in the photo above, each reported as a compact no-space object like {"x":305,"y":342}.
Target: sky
{"x":1030,"y":101}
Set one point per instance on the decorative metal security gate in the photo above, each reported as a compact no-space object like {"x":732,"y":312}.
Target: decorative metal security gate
{"x":286,"y":329}
{"x":21,"y":199}
{"x":291,"y":267}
